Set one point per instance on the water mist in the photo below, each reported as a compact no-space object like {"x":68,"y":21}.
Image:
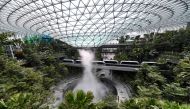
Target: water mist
{"x":89,"y":82}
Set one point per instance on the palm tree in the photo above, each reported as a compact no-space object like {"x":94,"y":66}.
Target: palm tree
{"x":78,"y":100}
{"x":21,"y":101}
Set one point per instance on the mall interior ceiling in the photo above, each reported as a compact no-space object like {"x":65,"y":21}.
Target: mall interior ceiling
{"x":91,"y":23}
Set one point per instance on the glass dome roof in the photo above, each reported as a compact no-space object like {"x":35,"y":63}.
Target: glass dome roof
{"x":89,"y":23}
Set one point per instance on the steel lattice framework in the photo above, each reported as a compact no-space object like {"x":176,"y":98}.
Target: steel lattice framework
{"x":91,"y":22}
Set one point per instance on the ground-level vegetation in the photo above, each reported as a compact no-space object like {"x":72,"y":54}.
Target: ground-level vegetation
{"x":25,"y":82}
{"x":170,"y":79}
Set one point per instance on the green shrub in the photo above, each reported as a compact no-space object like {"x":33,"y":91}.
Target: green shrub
{"x":150,"y":103}
{"x":108,"y":103}
{"x":22,"y":101}
{"x":18,"y":84}
{"x":78,"y":100}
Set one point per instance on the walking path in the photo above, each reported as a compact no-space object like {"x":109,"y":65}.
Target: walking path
{"x":123,"y":92}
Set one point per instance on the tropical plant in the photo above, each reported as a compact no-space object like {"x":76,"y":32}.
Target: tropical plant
{"x":178,"y":89}
{"x":182,"y":71}
{"x":149,"y":75}
{"x":4,"y":40}
{"x":108,"y":103}
{"x":174,"y":91}
{"x":33,"y":60}
{"x":22,"y":101}
{"x":78,"y":100}
{"x":149,"y":91}
{"x":121,"y":56}
{"x":16,"y":79}
{"x":136,"y":54}
{"x":150,"y":103}
{"x":148,"y":82}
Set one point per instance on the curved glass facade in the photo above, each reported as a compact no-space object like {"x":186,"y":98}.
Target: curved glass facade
{"x":89,"y":23}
